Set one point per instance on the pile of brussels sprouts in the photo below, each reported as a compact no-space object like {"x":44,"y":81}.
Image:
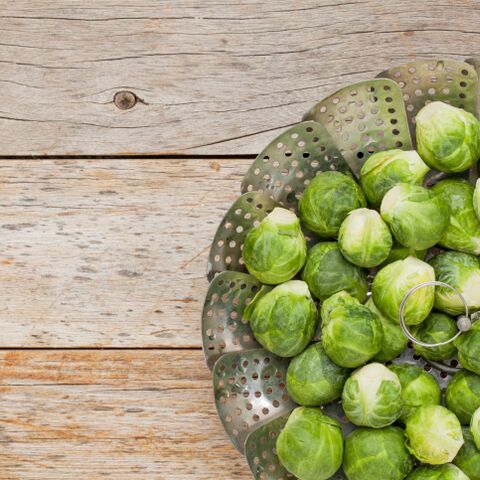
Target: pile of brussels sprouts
{"x":385,"y":227}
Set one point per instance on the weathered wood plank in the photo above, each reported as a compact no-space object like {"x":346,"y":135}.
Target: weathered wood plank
{"x":113,"y":414}
{"x":108,"y":252}
{"x":211,"y":76}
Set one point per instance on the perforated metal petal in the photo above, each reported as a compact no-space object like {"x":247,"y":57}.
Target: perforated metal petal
{"x":226,"y":251}
{"x":260,"y":447}
{"x":286,"y":166}
{"x":425,"y":81}
{"x":364,"y":118}
{"x":224,"y":329}
{"x":261,"y":453}
{"x":250,"y":391}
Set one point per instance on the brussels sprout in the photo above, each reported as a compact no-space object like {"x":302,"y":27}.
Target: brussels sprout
{"x":275,"y":251}
{"x":419,"y":388}
{"x":313,"y":379}
{"x":394,"y":340}
{"x":364,"y":238}
{"x":463,"y":231}
{"x":377,"y":454}
{"x":448,"y":138}
{"x":311,"y":445}
{"x":461,"y":271}
{"x":475,"y":427}
{"x":283,"y":320}
{"x":434,"y":435}
{"x":351,"y":332}
{"x":372,"y":396}
{"x":468,"y":458}
{"x":326,"y":202}
{"x":468,"y":346}
{"x":383,"y":170}
{"x":394,"y":281}
{"x":416,"y":216}
{"x":327,"y":272}
{"x":476,"y":199}
{"x":437,"y":328}
{"x":440,"y":472}
{"x":399,"y":252}
{"x":463,"y":395}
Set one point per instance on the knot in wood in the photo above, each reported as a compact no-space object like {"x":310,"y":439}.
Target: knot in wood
{"x":124,"y":100}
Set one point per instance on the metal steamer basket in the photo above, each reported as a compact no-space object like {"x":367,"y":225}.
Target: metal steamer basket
{"x":338,"y":133}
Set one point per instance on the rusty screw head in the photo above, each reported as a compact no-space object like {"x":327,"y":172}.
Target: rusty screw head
{"x":124,"y":100}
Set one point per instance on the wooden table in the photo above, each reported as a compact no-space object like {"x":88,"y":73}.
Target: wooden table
{"x":125,"y":129}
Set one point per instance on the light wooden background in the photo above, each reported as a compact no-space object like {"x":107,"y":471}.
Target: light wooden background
{"x":106,"y":215}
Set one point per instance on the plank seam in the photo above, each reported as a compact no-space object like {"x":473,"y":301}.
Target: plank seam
{"x":173,"y":156}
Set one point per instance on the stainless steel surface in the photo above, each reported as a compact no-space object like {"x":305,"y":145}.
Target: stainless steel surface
{"x":250,"y":391}
{"x":364,"y":118}
{"x":224,"y":329}
{"x":226,"y":251}
{"x":425,"y":81}
{"x":261,"y":453}
{"x":286,"y":166}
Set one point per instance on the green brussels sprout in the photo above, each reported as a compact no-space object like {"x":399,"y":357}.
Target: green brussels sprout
{"x":437,"y":328}
{"x":463,"y":231}
{"x":419,"y":388}
{"x":326,"y":202}
{"x":475,"y":427}
{"x":394,"y":340}
{"x":364,"y":238}
{"x":377,"y":454}
{"x":448,"y":138}
{"x":463,"y":395}
{"x":399,"y":252}
{"x":284,"y":319}
{"x":351,"y":332}
{"x":275,"y":251}
{"x":476,"y":199}
{"x":393,"y":282}
{"x":434,"y":435}
{"x":372,"y":396}
{"x":313,"y":379}
{"x":468,"y":458}
{"x":327,"y":272}
{"x":462,"y":272}
{"x":416,"y":216}
{"x":468,"y":346}
{"x":310,"y":445}
{"x":439,"y":472}
{"x":383,"y":170}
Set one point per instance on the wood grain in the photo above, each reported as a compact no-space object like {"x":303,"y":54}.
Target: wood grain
{"x":119,"y":415}
{"x":108,"y":253}
{"x":210,"y":76}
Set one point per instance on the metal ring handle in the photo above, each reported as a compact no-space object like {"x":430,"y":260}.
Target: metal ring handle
{"x":460,"y":326}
